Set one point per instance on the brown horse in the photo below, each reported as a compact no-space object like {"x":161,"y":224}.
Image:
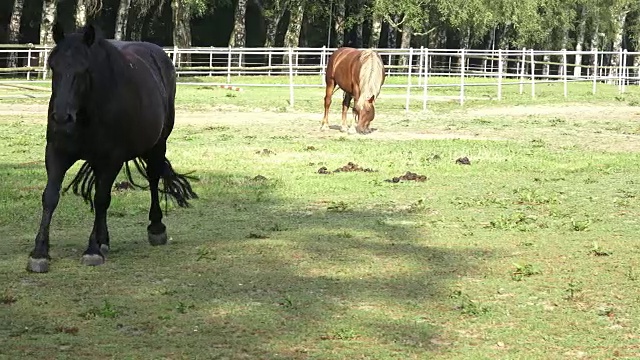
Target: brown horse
{"x":360,"y":74}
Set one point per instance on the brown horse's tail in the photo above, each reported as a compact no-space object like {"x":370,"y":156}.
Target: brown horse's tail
{"x":371,"y":78}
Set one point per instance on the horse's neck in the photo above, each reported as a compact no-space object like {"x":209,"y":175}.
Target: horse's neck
{"x":110,"y":74}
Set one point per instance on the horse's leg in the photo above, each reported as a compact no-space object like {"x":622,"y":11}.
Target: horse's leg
{"x":331,"y":85}
{"x":356,"y":116}
{"x":57,"y":165}
{"x":99,"y":238}
{"x":346,"y":101}
{"x":156,"y":231}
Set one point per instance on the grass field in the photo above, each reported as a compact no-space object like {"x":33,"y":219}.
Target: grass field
{"x":529,"y":252}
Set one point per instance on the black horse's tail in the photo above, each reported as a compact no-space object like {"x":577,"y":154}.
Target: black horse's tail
{"x":83,"y":183}
{"x":175,"y":185}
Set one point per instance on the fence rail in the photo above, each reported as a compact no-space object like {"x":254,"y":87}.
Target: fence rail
{"x":527,"y":66}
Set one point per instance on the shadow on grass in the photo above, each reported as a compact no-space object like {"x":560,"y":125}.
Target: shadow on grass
{"x":248,"y":273}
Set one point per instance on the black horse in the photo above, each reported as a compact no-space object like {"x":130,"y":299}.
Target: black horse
{"x":111,"y":102}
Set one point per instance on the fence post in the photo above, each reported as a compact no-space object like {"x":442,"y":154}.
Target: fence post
{"x":29,"y":63}
{"x":462,"y":68}
{"x":211,"y":61}
{"x":564,"y":72}
{"x":291,"y":77}
{"x":239,"y":72}
{"x":595,"y":70}
{"x":499,"y":73}
{"x":625,"y":71}
{"x":425,"y":76}
{"x":323,"y":64}
{"x":522,"y":63}
{"x":44,"y":63}
{"x":420,"y":65}
{"x":269,"y":61}
{"x":229,"y":65}
{"x":406,"y":105}
{"x":620,"y":71}
{"x":533,"y":72}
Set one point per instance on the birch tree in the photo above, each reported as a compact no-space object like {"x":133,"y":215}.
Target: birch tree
{"x":48,"y":19}
{"x":272,"y":12}
{"x":121,"y":19}
{"x":14,"y":29}
{"x":292,"y":36}
{"x":239,"y":32}
{"x":339,"y":14}
{"x":84,"y":9}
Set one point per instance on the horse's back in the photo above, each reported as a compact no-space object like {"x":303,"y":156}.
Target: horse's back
{"x":156,"y":77}
{"x":343,"y":67}
{"x":154,"y":57}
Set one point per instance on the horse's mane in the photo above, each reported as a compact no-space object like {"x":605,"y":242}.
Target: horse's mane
{"x":110,"y":65}
{"x":371,"y":74}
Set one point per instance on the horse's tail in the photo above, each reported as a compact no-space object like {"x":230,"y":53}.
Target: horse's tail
{"x":83,"y":183}
{"x":371,"y":78}
{"x":175,"y":185}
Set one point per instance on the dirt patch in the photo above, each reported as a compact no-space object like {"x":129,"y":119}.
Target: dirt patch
{"x":123,"y":185}
{"x":463,"y":161}
{"x":350,"y":167}
{"x":578,"y":109}
{"x":265,"y":152}
{"x":24,"y":109}
{"x":408,"y":176}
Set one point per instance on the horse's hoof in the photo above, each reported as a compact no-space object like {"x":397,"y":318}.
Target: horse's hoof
{"x":324,"y":128}
{"x":104,"y":249}
{"x":92,"y":259}
{"x":38,"y":265}
{"x":157,"y":239}
{"x":351,"y":131}
{"x":344,"y":129}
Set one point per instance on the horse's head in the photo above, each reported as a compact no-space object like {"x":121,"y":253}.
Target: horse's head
{"x":366,"y":112}
{"x":69,"y":64}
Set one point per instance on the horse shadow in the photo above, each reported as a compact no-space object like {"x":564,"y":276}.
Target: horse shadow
{"x":254,"y":269}
{"x":339,"y":128}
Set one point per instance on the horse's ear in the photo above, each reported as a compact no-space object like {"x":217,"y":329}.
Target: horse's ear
{"x":371,"y":98}
{"x":89,"y":35}
{"x":58,"y":32}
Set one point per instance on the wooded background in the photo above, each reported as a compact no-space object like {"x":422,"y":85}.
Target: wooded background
{"x":453,"y":24}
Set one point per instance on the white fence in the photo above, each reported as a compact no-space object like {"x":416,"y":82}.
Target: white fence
{"x":527,"y":67}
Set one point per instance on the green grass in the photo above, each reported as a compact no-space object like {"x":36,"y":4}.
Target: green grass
{"x":530,"y":252}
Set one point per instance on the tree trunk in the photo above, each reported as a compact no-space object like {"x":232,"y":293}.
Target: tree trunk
{"x":338,"y":23}
{"x":181,"y":28}
{"x":48,"y":18}
{"x":376,"y":28}
{"x":405,"y":42}
{"x":546,"y":68}
{"x":464,"y":44}
{"x":617,"y":42}
{"x":392,"y":35}
{"x":503,"y":44}
{"x":565,"y":40}
{"x":577,"y":69}
{"x":595,"y":37}
{"x":272,"y":28}
{"x":292,"y":36}
{"x":136,"y":29}
{"x":239,"y":32}
{"x":80,"y":16}
{"x":14,"y":29}
{"x":359,"y":35}
{"x":121,"y":20}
